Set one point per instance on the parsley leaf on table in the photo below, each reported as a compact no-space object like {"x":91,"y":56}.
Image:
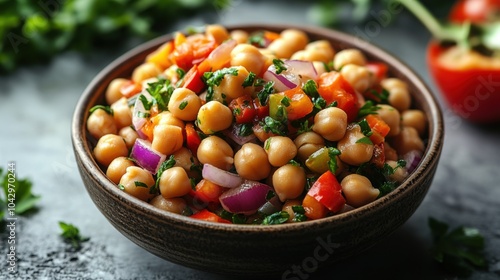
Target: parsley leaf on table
{"x":71,"y":234}
{"x":24,"y":199}
{"x":460,"y":251}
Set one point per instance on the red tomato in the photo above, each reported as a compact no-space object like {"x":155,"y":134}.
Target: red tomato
{"x":261,"y":111}
{"x":328,"y":191}
{"x":207,"y":192}
{"x":206,"y":215}
{"x":379,"y":69}
{"x":243,"y":109}
{"x":193,"y":50}
{"x":333,"y":87}
{"x":475,"y":11}
{"x":193,"y":139}
{"x":193,"y":80}
{"x":473,"y":94}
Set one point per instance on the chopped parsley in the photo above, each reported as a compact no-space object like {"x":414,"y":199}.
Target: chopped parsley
{"x":279,"y":65}
{"x":369,"y":108}
{"x":364,"y":140}
{"x":311,"y":89}
{"x":285,"y":101}
{"x":140,"y":184}
{"x":270,"y":195}
{"x":249,"y":80}
{"x":160,"y":91}
{"x":180,"y":72}
{"x":106,"y":109}
{"x":304,"y":127}
{"x":244,"y":129}
{"x":183,"y":105}
{"x":332,"y":162}
{"x":215,"y":78}
{"x":460,"y":250}
{"x":263,"y":94}
{"x":299,"y":213}
{"x":169,"y":163}
{"x":257,"y":39}
{"x":365,"y":128}
{"x":271,"y":125}
{"x":71,"y":234}
{"x":276,"y":218}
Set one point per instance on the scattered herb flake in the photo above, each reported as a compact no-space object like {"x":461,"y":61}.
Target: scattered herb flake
{"x":249,"y":80}
{"x":311,"y":89}
{"x":24,"y":199}
{"x":276,"y":218}
{"x":183,"y":105}
{"x":279,"y":65}
{"x":106,"y":109}
{"x":71,"y":234}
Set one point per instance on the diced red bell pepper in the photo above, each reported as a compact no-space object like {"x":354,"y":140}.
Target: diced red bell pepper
{"x":328,"y":191}
{"x":193,"y":139}
{"x":379,"y":69}
{"x":193,"y":80}
{"x":243,"y":109}
{"x":206,"y":215}
{"x":261,"y":111}
{"x":333,"y":87}
{"x":379,"y":128}
{"x":192,"y":50}
{"x":207,"y":192}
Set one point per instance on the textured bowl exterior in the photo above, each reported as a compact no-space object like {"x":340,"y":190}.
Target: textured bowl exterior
{"x":256,"y":250}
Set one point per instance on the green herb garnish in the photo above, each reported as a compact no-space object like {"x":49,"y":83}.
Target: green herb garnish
{"x":215,"y":78}
{"x":276,"y":218}
{"x":299,"y":213}
{"x":183,"y":105}
{"x":17,"y":191}
{"x":460,"y":250}
{"x":106,"y":109}
{"x":311,"y":89}
{"x":279,"y":65}
{"x":249,"y":80}
{"x":263,"y":94}
{"x":369,"y":108}
{"x":169,"y":163}
{"x":332,"y":162}
{"x":71,"y":234}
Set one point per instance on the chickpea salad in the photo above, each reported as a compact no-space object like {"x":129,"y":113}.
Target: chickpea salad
{"x":257,"y":128}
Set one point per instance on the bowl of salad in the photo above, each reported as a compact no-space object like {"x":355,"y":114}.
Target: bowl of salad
{"x":255,"y":149}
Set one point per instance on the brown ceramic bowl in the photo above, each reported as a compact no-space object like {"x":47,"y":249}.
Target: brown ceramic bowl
{"x":254,"y":250}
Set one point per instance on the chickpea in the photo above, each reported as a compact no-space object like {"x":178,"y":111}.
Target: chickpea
{"x":137,"y":182}
{"x":391,"y":117}
{"x":109,"y":147}
{"x":416,"y":119}
{"x":214,"y":116}
{"x":389,"y":152}
{"x":359,"y":77}
{"x":358,"y":190}
{"x":251,"y":162}
{"x":215,"y":151}
{"x":174,"y":182}
{"x":280,"y":150}
{"x":231,"y":86}
{"x":145,"y":71}
{"x":399,"y":174}
{"x":167,"y":138}
{"x":330,"y":123}
{"x":239,"y":35}
{"x":289,"y":181}
{"x":352,"y":152}
{"x":113,"y":92}
{"x":290,"y":41}
{"x":217,"y":32}
{"x":320,"y":67}
{"x":121,"y":113}
{"x":101,"y":123}
{"x":288,"y":207}
{"x":175,"y":205}
{"x":184,"y":104}
{"x":129,"y":135}
{"x":307,"y":143}
{"x":348,"y":56}
{"x":117,"y":168}
{"x":407,"y":140}
{"x":316,"y":51}
{"x":166,"y":117}
{"x":249,"y":57}
{"x":399,"y":95}
{"x":185,"y":159}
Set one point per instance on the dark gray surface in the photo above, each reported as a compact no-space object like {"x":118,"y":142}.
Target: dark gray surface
{"x":36,"y":106}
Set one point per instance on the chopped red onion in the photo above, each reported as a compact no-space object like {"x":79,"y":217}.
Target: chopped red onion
{"x":301,"y":68}
{"x":221,"y":55}
{"x":245,"y":199}
{"x":282,"y":82}
{"x":233,"y":134}
{"x":220,"y":177}
{"x":145,"y":156}
{"x":412,"y":159}
{"x":140,"y":114}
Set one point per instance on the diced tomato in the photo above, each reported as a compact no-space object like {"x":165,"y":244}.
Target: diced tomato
{"x":193,"y":50}
{"x":328,"y":191}
{"x":193,"y":139}
{"x":313,"y":209}
{"x":261,"y":111}
{"x":160,"y":57}
{"x":206,"y":215}
{"x":379,"y":69}
{"x":333,"y":87}
{"x":243,"y":109}
{"x":193,"y":80}
{"x":300,"y":103}
{"x":260,"y":133}
{"x":207,"y":192}
{"x":129,"y":89}
{"x":271,"y":36}
{"x":379,"y":128}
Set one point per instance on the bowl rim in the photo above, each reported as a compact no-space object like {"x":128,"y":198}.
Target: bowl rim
{"x":83,"y":152}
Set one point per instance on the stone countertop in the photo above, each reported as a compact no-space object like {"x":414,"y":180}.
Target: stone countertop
{"x":36,"y":106}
